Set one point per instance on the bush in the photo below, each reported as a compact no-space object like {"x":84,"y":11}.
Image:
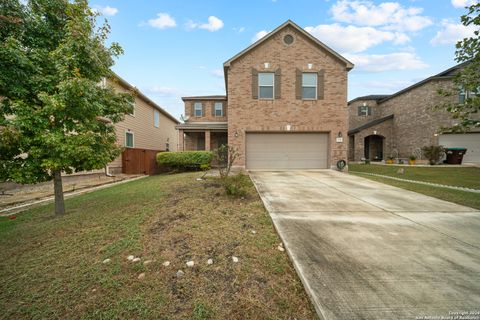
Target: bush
{"x":433,"y":153}
{"x":185,"y":160}
{"x":237,"y":185}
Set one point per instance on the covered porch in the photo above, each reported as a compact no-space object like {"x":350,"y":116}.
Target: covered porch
{"x":201,"y":136}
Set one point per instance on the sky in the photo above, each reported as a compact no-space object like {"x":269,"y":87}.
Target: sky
{"x":176,"y":48}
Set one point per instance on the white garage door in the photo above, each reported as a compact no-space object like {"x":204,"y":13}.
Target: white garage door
{"x":286,"y":151}
{"x":471,"y":141}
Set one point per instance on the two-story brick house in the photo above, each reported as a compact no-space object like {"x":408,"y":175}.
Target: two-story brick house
{"x":400,"y":124}
{"x":285,"y":107}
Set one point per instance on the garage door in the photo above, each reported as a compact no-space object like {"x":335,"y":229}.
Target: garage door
{"x":471,"y":141}
{"x":286,"y":151}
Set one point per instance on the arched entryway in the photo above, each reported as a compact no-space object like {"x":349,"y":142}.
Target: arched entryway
{"x":373,"y":147}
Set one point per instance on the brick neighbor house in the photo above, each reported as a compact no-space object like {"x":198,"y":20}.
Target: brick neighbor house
{"x":148,"y":130}
{"x":400,"y":124}
{"x":285,"y":107}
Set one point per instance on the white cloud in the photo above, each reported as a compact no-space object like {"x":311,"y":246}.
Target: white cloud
{"x":259,"y":35}
{"x":106,"y":11}
{"x":451,"y":33}
{"x":239,"y":30}
{"x":354,"y":39}
{"x":386,"y":62}
{"x":388,"y":15}
{"x":213,"y":24}
{"x":163,"y":21}
{"x":217,"y":73}
{"x":463,"y":3}
{"x":391,"y":85}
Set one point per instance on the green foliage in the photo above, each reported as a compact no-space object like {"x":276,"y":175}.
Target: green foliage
{"x":433,"y":153}
{"x":54,"y":115}
{"x":185,"y":160}
{"x":237,"y":185}
{"x":468,"y":79}
{"x":202,"y":312}
{"x":412,"y":157}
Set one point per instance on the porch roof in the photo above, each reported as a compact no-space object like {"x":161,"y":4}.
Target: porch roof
{"x":370,"y":124}
{"x":203,"y":126}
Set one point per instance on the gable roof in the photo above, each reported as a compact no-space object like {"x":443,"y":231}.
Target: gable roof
{"x":447,"y":74}
{"x":127,"y":85}
{"x":348,"y":64}
{"x":370,"y":124}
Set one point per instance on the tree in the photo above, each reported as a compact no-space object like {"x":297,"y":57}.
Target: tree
{"x":54,"y":115}
{"x":468,"y":79}
{"x":225,"y":156}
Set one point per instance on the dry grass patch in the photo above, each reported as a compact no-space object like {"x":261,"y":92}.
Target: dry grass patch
{"x":52,"y":268}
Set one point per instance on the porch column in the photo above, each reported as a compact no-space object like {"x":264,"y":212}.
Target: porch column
{"x":181,"y":146}
{"x":207,"y":140}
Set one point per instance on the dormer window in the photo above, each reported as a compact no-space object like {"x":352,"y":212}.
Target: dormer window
{"x":364,"y":110}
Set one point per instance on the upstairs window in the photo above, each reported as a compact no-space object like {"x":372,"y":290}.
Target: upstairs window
{"x":464,"y":95}
{"x":266,"y":85}
{"x":156,"y":118}
{"x":133,"y":108}
{"x":198,"y":109}
{"x":309,"y":86}
{"x":218,"y":109}
{"x":364,"y":111}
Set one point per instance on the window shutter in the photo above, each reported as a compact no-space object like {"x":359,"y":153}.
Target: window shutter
{"x":320,"y":84}
{"x":278,"y":85}
{"x":213,"y":108}
{"x":203,"y":109}
{"x":192,"y":114}
{"x":298,"y":84}
{"x":254,"y":83}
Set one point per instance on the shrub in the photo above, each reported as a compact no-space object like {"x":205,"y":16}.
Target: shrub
{"x":185,"y":160}
{"x":225,"y":156}
{"x":236,"y":185}
{"x":433,"y":153}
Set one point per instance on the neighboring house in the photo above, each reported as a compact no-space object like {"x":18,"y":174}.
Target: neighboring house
{"x":399,"y":125}
{"x":148,"y":130}
{"x":285,"y":108}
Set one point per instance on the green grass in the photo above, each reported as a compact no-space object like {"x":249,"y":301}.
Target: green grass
{"x":455,"y":176}
{"x":469,"y":176}
{"x":51,"y":268}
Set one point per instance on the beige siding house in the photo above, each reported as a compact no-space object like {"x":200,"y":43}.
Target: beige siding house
{"x":149,"y":127}
{"x":285,"y":107}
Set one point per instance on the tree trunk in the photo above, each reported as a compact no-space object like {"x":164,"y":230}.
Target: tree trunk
{"x":57,"y":186}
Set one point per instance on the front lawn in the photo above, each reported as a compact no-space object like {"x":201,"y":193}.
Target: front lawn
{"x":52,"y":267}
{"x":468,"y":177}
{"x":455,"y":176}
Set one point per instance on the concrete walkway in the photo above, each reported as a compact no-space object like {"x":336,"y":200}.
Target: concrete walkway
{"x":366,"y":250}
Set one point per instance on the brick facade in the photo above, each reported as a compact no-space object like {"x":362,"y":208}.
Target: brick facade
{"x":248,"y":114}
{"x":286,"y":112}
{"x":416,"y":121}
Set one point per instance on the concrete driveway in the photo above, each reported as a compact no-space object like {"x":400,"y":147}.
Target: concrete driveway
{"x":366,"y":250}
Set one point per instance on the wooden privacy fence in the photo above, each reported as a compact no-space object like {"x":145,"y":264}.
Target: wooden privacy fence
{"x":140,"y":161}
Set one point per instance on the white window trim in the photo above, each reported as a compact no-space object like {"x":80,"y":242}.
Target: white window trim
{"x":273,"y":86}
{"x":316,"y":86}
{"x":134,"y":104}
{"x":365,"y":114}
{"x":215,"y":109}
{"x":195,"y":109}
{"x":156,"y":112}
{"x":133,"y":139}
